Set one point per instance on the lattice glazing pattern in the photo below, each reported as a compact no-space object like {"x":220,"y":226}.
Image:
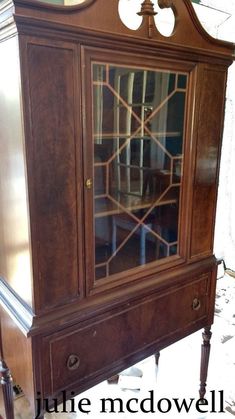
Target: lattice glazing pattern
{"x":138,"y":135}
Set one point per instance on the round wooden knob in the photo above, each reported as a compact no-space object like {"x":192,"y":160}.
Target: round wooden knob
{"x":196,"y":304}
{"x":73,"y":362}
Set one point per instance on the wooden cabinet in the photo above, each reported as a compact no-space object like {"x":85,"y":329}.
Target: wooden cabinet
{"x":109,"y":159}
{"x":190,"y":298}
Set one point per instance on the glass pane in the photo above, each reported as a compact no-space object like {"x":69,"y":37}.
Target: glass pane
{"x":99,"y":73}
{"x":138,"y":133}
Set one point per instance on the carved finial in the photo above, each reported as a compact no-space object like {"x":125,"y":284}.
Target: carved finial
{"x":148,"y":13}
{"x":147,"y":9}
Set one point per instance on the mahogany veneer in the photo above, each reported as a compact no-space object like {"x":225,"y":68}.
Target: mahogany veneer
{"x":73,"y":311}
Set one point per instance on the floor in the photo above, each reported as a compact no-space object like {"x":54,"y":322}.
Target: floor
{"x":175,"y":378}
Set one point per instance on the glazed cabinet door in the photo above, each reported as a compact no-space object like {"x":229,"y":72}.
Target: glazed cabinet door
{"x":134,"y":147}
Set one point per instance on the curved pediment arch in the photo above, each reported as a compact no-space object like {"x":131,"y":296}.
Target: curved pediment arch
{"x":102,"y":16}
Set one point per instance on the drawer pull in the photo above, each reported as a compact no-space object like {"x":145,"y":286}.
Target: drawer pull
{"x":196,"y":304}
{"x":73,"y":362}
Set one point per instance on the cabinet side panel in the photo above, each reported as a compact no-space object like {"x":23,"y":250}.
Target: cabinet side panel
{"x":209,"y":133}
{"x":15,"y":253}
{"x":52,"y":153}
{"x":17,"y":353}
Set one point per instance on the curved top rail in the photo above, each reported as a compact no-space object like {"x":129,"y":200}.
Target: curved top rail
{"x":102,"y":16}
{"x":40,"y":4}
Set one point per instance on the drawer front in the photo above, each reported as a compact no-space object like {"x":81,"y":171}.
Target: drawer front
{"x":77,"y":354}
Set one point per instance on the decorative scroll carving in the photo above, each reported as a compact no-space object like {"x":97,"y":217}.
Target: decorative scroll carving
{"x":165,"y":4}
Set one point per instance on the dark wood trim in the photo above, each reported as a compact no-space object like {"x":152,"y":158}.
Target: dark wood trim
{"x":102,"y":303}
{"x":198,"y":77}
{"x":81,"y":311}
{"x":91,"y":37}
{"x":206,"y":173}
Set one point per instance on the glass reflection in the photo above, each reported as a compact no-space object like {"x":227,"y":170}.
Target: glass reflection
{"x":138,"y":154}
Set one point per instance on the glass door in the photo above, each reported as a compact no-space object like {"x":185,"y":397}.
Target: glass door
{"x":138,"y":152}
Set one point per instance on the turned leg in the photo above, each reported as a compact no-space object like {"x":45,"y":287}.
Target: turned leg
{"x":157,"y":356}
{"x":205,"y":360}
{"x":7,"y":390}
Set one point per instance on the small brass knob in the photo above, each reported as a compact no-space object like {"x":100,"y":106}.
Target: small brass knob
{"x":73,"y":362}
{"x":196,"y":304}
{"x":88,"y":183}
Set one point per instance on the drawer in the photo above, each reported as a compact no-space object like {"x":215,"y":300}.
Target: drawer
{"x":76,"y":354}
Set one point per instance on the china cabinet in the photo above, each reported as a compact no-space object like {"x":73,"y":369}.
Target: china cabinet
{"x":109,"y":159}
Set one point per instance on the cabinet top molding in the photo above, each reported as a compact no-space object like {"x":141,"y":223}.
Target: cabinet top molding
{"x":101,"y":17}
